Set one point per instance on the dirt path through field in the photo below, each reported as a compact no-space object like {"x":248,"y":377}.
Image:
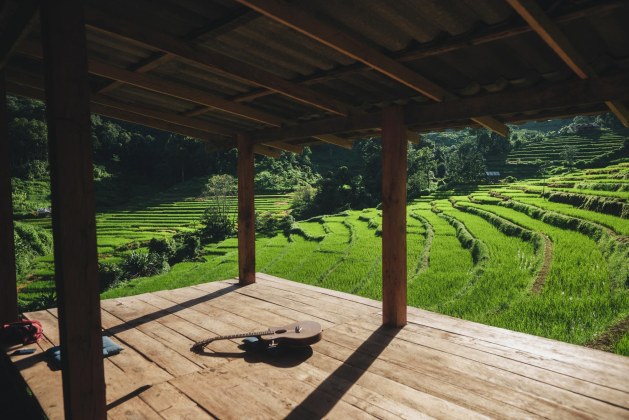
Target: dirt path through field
{"x":545,"y":270}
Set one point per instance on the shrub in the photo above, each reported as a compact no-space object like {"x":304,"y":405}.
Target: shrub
{"x":215,"y":226}
{"x":303,"y":201}
{"x":110,"y":275}
{"x":187,"y":247}
{"x":30,"y":242}
{"x":138,"y":264}
{"x":163,"y":247}
{"x":269,"y":223}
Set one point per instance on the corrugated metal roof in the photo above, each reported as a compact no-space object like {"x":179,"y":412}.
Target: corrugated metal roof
{"x":397,"y":29}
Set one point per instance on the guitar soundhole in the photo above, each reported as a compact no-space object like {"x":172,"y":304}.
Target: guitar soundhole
{"x":280,"y":331}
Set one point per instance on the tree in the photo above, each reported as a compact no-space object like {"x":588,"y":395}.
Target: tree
{"x":465,"y":164}
{"x":220,"y":189}
{"x":569,"y":155}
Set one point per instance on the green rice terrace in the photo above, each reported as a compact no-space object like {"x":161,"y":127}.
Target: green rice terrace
{"x":520,"y":162}
{"x":550,"y":258}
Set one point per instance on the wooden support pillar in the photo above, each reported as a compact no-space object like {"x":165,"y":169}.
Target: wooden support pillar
{"x":73,"y":208}
{"x":8,"y":290}
{"x":246,"y":211}
{"x":394,"y":149}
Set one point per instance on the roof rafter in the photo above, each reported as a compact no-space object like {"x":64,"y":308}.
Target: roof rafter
{"x":557,"y":96}
{"x":156,"y":84}
{"x":213,"y":29}
{"x":211,"y":60}
{"x":15,"y":25}
{"x":325,"y":33}
{"x":37,"y":92}
{"x":483,"y":36}
{"x":554,"y":37}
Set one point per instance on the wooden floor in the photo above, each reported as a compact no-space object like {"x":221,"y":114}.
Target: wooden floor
{"x":436,"y":366}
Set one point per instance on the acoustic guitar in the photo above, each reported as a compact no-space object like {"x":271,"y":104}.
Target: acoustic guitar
{"x":299,"y":334}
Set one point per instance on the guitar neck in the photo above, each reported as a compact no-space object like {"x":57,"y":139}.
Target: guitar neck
{"x":200,"y":344}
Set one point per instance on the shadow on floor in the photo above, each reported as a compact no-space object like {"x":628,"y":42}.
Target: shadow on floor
{"x":321,"y":401}
{"x":134,"y":323}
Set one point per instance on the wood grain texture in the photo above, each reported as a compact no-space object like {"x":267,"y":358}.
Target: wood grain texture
{"x":8,"y":290}
{"x":394,"y":150}
{"x":435,"y":367}
{"x":73,"y":211}
{"x":246,"y":211}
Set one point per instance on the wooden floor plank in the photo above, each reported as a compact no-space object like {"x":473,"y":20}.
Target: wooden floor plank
{"x":519,"y":363}
{"x":437,"y":366}
{"x":494,"y":383}
{"x":615,"y":368}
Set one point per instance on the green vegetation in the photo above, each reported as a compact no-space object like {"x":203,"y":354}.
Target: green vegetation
{"x":545,"y":256}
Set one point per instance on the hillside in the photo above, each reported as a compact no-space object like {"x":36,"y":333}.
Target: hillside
{"x":523,"y":162}
{"x":501,"y":255}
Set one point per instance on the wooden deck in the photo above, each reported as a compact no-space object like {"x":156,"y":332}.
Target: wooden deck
{"x":436,"y":366}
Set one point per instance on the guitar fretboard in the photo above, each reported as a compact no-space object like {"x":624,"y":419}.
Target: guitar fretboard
{"x":200,"y":344}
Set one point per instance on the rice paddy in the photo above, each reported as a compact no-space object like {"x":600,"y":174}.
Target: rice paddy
{"x":500,"y":254}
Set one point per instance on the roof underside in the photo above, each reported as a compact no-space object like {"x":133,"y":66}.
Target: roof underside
{"x":214,"y":68}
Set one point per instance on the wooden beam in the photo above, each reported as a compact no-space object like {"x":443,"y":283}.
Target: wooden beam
{"x":296,"y":18}
{"x":293,"y":148}
{"x":325,"y":33}
{"x":335,"y":140}
{"x":73,"y":209}
{"x":8,"y":280}
{"x":412,"y":137}
{"x":176,"y":90}
{"x":16,"y":19}
{"x":486,"y":35}
{"x":567,"y":94}
{"x":164,"y":116}
{"x":212,"y":61}
{"x":620,"y":110}
{"x":493,"y":125}
{"x":553,"y":36}
{"x":266,"y":150}
{"x":537,"y":19}
{"x":180,"y":91}
{"x":246,"y":211}
{"x":145,"y":66}
{"x":394,"y":150}
{"x":26,"y":85}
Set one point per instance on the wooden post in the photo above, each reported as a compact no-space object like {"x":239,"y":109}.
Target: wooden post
{"x":394,"y":149}
{"x":246,"y":211}
{"x":73,"y":208}
{"x":8,"y":290}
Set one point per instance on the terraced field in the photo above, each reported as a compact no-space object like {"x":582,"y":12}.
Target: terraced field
{"x":519,"y":162}
{"x":554,"y":265}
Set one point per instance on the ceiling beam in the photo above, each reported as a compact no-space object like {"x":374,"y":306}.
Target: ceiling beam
{"x":335,"y":140}
{"x":486,"y":35}
{"x":554,"y":37}
{"x":287,"y":147}
{"x":493,"y":124}
{"x":165,"y":116}
{"x":144,"y":66}
{"x":267,"y":151}
{"x":122,"y":115}
{"x":329,"y":35}
{"x":159,"y":85}
{"x":16,"y":20}
{"x":564,"y":95}
{"x":210,"y":60}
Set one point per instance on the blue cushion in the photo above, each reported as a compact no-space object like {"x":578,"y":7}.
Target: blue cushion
{"x":109,"y":349}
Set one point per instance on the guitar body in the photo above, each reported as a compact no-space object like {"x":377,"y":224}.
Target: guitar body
{"x":298,"y":334}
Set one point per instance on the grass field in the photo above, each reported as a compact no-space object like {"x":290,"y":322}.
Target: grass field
{"x":498,"y":254}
